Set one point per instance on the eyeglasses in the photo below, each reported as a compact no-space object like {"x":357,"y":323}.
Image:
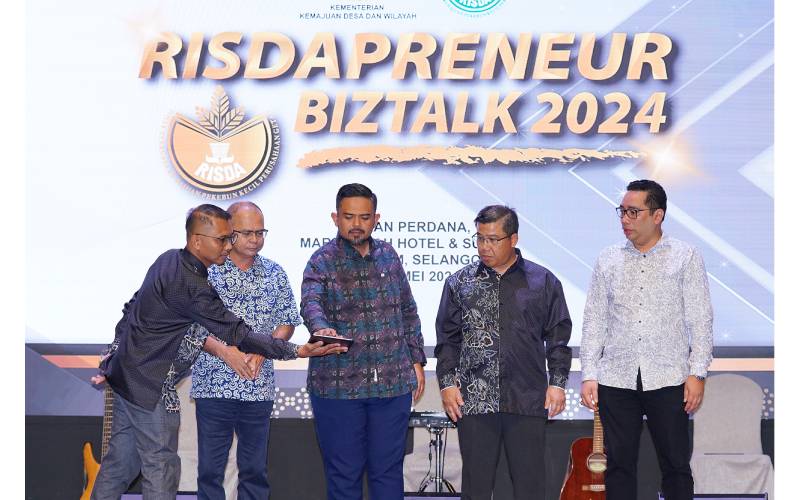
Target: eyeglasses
{"x":491,"y":240}
{"x":231,"y":238}
{"x":632,"y":213}
{"x":259,"y":234}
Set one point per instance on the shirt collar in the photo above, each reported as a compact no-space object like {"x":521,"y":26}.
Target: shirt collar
{"x":193,"y":263}
{"x":230,"y":267}
{"x":517,"y":265}
{"x":350,"y":251}
{"x":664,"y":241}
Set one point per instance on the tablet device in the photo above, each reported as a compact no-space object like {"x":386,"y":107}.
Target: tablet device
{"x":327,"y":339}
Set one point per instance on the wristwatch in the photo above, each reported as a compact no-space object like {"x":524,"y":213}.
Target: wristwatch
{"x":699,"y":377}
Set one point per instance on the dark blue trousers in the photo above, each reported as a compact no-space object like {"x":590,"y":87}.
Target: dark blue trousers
{"x":217,"y":420}
{"x":362,"y":435}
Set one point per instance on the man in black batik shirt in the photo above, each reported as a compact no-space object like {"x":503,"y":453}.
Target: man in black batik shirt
{"x":499,"y":319}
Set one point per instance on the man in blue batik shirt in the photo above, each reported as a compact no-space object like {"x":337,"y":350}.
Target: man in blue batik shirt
{"x":355,"y":286}
{"x":256,"y":290}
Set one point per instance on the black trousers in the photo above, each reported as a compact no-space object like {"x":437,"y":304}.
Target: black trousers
{"x":480,"y":437}
{"x":621,"y":412}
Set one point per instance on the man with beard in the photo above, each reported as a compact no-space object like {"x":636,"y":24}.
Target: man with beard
{"x":355,"y":286}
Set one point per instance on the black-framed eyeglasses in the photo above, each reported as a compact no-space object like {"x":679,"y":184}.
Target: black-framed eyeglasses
{"x":259,"y":233}
{"x":491,"y":240}
{"x":631,"y":212}
{"x":231,"y":238}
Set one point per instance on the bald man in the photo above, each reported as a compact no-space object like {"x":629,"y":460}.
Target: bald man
{"x":156,"y":341}
{"x":227,"y":401}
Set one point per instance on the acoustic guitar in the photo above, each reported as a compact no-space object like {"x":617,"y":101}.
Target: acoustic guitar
{"x":91,"y":466}
{"x":585,"y":478}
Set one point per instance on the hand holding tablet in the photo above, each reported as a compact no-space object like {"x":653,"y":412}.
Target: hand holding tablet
{"x":329,"y":336}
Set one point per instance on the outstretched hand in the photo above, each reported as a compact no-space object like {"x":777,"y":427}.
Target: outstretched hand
{"x":315,"y":349}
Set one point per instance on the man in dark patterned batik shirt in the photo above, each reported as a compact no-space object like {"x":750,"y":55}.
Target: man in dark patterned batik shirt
{"x":499,"y":319}
{"x":355,"y":286}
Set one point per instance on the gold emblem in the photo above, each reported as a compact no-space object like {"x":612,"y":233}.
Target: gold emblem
{"x":221,"y":155}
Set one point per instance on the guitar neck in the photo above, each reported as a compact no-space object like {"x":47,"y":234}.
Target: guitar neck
{"x":597,"y":435}
{"x":108,"y":413}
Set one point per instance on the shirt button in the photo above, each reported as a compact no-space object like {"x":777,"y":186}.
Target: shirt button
{"x":640,"y":321}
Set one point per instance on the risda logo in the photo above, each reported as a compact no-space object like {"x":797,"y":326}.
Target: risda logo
{"x":222,"y":156}
{"x":474,"y":7}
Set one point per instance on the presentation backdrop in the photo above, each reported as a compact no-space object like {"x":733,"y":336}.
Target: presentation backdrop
{"x":140,"y":110}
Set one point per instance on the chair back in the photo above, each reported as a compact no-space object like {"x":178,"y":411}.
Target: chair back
{"x":729,"y":419}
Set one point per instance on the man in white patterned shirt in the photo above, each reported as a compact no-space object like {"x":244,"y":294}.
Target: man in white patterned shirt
{"x":646,"y":345}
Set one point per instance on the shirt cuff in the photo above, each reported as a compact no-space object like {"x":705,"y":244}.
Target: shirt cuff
{"x":418,"y":356}
{"x":447,"y":380}
{"x":558,"y":380}
{"x":317,"y":324}
{"x":588,"y":372}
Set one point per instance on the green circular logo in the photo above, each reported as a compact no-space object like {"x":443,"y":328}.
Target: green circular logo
{"x":474,"y":6}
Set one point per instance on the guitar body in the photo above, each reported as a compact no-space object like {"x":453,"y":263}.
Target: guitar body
{"x":90,"y":470}
{"x":581,"y":483}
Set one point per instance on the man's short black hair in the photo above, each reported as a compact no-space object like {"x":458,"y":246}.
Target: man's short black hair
{"x":656,"y":196}
{"x":201,"y":215}
{"x":356,"y":190}
{"x":494,"y":213}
